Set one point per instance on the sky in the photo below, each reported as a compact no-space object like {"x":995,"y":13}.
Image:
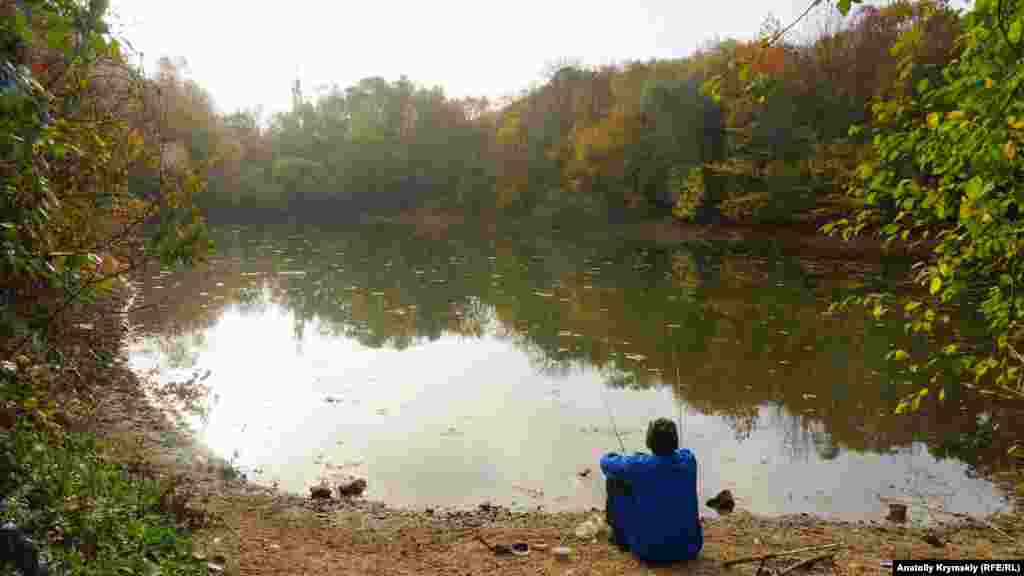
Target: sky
{"x":248,"y":53}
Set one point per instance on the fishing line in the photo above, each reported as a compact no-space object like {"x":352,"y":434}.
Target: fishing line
{"x":611,"y":418}
{"x":684,"y":425}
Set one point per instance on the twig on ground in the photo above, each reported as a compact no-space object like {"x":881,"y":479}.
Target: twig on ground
{"x":778,"y":554}
{"x":805,"y":563}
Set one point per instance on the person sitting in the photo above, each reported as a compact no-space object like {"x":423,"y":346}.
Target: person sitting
{"x":652,"y":499}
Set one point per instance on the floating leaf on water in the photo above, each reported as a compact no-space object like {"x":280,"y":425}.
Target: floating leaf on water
{"x":637,"y":357}
{"x":674,"y":325}
{"x":565,"y":333}
{"x":544,"y":294}
{"x":292,"y":273}
{"x":810,"y":396}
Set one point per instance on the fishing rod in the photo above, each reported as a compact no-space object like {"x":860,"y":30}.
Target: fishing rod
{"x":611,"y":418}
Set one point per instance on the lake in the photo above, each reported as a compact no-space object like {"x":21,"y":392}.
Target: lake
{"x":457,"y":371}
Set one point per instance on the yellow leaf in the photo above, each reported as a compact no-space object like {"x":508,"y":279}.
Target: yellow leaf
{"x":933,"y":120}
{"x":935,"y":286}
{"x":989,"y":83}
{"x":1010,"y":150}
{"x":900,"y":355}
{"x":955,"y":115}
{"x":942,"y":394}
{"x":1015,"y":123}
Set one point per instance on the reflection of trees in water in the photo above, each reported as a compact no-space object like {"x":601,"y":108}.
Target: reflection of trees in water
{"x":736,"y":312}
{"x":802,"y":435}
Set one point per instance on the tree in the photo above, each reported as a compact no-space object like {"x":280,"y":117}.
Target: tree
{"x":946,"y":157}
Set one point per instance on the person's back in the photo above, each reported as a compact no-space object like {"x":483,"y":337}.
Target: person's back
{"x":657,"y":516}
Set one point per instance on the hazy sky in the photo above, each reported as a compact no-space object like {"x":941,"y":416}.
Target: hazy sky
{"x":247,"y":53}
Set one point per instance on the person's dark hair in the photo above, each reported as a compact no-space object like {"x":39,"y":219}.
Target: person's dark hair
{"x":662,"y":437}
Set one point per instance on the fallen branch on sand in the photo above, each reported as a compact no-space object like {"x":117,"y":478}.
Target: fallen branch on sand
{"x":778,"y":554}
{"x":805,"y":563}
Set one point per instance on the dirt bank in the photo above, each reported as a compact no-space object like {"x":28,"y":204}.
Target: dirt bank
{"x":290,"y":536}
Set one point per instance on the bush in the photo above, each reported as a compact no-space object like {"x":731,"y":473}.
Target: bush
{"x":87,"y":514}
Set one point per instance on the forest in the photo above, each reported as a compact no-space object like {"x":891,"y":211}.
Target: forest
{"x":698,"y":137}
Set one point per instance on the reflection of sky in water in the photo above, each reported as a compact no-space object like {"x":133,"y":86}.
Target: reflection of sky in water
{"x":460,"y":421}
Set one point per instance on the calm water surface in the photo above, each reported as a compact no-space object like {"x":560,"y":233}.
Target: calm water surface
{"x":449,"y":373}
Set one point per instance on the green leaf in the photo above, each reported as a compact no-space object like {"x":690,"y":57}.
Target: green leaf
{"x":844,"y":6}
{"x":1015,"y":31}
{"x":55,"y":38}
{"x":935,"y":286}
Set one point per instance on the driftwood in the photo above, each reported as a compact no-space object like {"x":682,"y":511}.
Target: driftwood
{"x":778,"y":554}
{"x":962,"y":516}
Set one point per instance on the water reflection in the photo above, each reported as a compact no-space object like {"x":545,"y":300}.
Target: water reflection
{"x":455,"y":372}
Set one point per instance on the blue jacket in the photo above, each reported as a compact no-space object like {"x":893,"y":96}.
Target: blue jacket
{"x":659,"y":520}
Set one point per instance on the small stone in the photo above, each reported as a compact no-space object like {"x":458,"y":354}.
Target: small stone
{"x":353,"y":487}
{"x":933,"y":539}
{"x":320,"y":492}
{"x":723,"y":502}
{"x":561,"y":552}
{"x":897,"y":512}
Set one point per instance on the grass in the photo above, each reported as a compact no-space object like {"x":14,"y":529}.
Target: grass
{"x":87,"y":510}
